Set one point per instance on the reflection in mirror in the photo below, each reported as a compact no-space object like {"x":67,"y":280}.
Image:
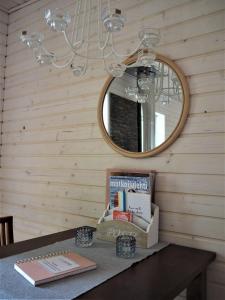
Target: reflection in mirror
{"x":142,"y":108}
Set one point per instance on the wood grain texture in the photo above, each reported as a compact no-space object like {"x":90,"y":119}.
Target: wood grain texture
{"x":53,"y":155}
{"x":3,"y":51}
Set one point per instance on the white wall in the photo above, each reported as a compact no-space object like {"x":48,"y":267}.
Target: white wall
{"x":54,"y":158}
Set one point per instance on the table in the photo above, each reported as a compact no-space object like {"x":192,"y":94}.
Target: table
{"x":162,"y":276}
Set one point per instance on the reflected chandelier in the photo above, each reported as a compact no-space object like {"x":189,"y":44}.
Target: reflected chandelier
{"x":154,"y":83}
{"x":83,"y":44}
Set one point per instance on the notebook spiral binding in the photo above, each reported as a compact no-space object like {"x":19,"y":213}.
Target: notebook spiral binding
{"x":20,"y":261}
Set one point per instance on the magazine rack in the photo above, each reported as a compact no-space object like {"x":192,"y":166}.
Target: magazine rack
{"x":109,"y":230}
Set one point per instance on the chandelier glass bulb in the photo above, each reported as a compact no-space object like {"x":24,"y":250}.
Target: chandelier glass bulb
{"x":146,"y":57}
{"x":113,"y":22}
{"x":131,"y":91}
{"x":150,"y":37}
{"x":146,"y":83}
{"x":33,"y":40}
{"x":57,"y":19}
{"x":43,"y":58}
{"x":141,"y":98}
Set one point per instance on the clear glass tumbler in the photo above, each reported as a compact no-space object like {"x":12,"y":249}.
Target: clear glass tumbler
{"x":84,"y":236}
{"x":125,"y":246}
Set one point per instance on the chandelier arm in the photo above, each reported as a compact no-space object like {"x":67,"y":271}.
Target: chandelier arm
{"x":33,"y":52}
{"x":160,"y":90}
{"x":175,"y":88}
{"x":80,"y":69}
{"x":84,"y":17}
{"x":72,"y":47}
{"x":100,"y":35}
{"x":87,"y":33}
{"x":81,"y":55}
{"x":168,"y":84}
{"x":75,"y":42}
{"x":45,"y":50}
{"x":105,"y":63}
{"x":169,"y":80}
{"x":161,"y":77}
{"x":64,"y":65}
{"x":100,"y":31}
{"x":59,"y":57}
{"x":105,"y":66}
{"x":92,"y":57}
{"x":77,"y":45}
{"x":106,"y":41}
{"x":55,"y":57}
{"x":124,"y":55}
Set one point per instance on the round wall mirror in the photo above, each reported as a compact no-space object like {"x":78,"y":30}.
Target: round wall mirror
{"x":141,"y":113}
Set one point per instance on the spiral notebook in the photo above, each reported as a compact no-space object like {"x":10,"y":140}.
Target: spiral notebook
{"x":53,"y":266}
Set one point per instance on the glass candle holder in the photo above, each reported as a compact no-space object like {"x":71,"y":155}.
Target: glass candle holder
{"x":125,"y":246}
{"x":84,"y":236}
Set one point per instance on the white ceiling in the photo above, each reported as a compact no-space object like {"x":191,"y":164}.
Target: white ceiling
{"x":6,"y":5}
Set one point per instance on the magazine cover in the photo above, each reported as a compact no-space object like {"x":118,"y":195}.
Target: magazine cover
{"x":138,"y":184}
{"x":139,"y":204}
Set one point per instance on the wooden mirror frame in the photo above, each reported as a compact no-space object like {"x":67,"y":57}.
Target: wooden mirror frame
{"x":176,"y":132}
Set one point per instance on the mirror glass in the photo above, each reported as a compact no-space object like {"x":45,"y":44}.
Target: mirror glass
{"x":142,"y":108}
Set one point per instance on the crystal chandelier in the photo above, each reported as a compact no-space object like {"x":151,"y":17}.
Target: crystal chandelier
{"x":155,"y":83}
{"x":83,"y":45}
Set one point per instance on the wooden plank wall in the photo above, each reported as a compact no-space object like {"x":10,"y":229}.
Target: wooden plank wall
{"x":3,"y":48}
{"x":53,"y":155}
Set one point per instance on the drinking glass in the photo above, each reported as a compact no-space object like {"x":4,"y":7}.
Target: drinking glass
{"x":84,"y":236}
{"x":125,"y":246}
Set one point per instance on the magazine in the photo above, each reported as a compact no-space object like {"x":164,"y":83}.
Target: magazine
{"x":139,"y":204}
{"x":138,"y":184}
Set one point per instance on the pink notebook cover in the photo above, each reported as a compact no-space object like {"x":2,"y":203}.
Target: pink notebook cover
{"x":47,"y":269}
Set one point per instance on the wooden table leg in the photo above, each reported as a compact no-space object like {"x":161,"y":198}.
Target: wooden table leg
{"x":197,"y":289}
